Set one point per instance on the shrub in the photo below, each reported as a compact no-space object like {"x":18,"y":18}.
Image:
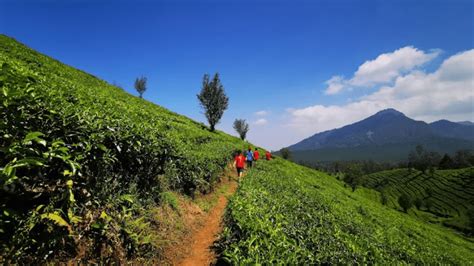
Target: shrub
{"x":418,"y":203}
{"x":383,"y":198}
{"x":405,"y":202}
{"x":285,"y":153}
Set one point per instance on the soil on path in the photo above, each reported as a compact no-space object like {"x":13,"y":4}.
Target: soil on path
{"x":195,"y":248}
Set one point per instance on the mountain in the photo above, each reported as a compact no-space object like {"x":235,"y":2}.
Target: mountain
{"x":450,"y":129}
{"x":386,"y":135}
{"x":467,"y":123}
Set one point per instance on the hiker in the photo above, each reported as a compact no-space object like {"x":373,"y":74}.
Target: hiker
{"x":268,"y":155}
{"x":256,"y":155}
{"x":249,"y":156}
{"x":239,"y":162}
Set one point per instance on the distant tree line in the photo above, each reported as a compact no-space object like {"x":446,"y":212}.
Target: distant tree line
{"x":420,"y":159}
{"x":424,"y":160}
{"x":366,"y":166}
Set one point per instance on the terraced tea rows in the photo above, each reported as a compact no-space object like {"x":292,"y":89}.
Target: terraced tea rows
{"x":288,"y":214}
{"x":446,"y":194}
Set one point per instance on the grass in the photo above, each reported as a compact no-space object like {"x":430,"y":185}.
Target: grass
{"x":207,"y":202}
{"x":284,"y":213}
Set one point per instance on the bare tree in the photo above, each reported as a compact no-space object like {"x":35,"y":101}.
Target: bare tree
{"x":241,"y":127}
{"x":213,"y":99}
{"x":140,"y":85}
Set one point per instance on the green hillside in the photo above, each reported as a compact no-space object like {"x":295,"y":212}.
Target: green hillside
{"x":81,"y":160}
{"x":447,"y":196}
{"x":83,"y":164}
{"x":289,"y":214}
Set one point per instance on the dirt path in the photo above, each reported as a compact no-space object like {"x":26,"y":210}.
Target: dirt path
{"x":203,"y":228}
{"x":203,"y":238}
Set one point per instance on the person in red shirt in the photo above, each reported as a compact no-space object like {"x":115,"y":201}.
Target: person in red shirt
{"x":256,"y":155}
{"x":239,"y":162}
{"x":268,"y":155}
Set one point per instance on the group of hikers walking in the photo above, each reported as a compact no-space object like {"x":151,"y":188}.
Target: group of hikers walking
{"x":248,"y":158}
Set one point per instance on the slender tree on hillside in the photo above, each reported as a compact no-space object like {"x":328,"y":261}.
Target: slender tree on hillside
{"x":241,"y":127}
{"x":140,"y":85}
{"x":213,"y":99}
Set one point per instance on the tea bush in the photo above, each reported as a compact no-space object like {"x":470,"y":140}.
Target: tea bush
{"x":449,"y":194}
{"x":288,"y":214}
{"x":73,"y":149}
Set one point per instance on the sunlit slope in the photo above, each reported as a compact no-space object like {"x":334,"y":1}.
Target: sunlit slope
{"x":446,"y":196}
{"x":286,"y":213}
{"x":75,"y":151}
{"x":109,"y":111}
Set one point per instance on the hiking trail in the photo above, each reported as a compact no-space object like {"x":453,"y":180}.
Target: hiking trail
{"x":195,"y":248}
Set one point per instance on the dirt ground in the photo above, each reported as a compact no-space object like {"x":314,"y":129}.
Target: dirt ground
{"x":202,"y":220}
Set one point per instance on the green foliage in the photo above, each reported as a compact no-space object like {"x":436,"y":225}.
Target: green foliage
{"x":170,"y":199}
{"x":446,"y":162}
{"x":418,"y":202}
{"x":79,"y":159}
{"x":423,"y":160}
{"x":352,"y":176}
{"x":285,"y":153}
{"x":213,"y":99}
{"x":444,"y":196}
{"x":463,"y":158}
{"x":405,"y":202}
{"x":383,"y":198}
{"x":287,"y":214}
{"x":140,"y":85}
{"x":241,"y":127}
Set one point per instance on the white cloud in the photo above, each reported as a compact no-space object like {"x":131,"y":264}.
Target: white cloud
{"x":335,"y":85}
{"x":260,"y":122}
{"x":446,"y":93}
{"x":261,"y":113}
{"x":382,"y":70}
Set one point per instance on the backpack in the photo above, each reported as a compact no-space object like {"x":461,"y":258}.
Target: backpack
{"x":249,"y":155}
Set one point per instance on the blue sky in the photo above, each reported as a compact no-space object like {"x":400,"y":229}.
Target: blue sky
{"x":273,"y":56}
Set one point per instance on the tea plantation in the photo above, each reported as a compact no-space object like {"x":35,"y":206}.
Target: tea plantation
{"x":80,"y":160}
{"x":284,"y":213}
{"x":445,"y":196}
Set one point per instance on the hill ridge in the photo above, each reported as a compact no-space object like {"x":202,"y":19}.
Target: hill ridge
{"x":384,"y":129}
